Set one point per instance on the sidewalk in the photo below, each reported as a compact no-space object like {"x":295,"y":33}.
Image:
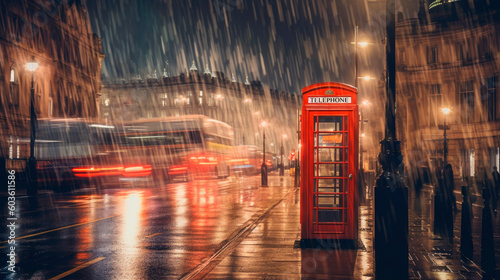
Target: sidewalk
{"x":270,"y":251}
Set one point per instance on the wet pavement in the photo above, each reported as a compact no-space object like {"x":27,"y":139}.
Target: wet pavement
{"x":212,"y":229}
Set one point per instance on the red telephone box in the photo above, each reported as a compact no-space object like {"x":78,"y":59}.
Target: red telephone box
{"x":329,"y":198}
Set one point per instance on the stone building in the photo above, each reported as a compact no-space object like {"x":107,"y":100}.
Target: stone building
{"x":449,"y":57}
{"x":242,"y":105}
{"x":57,"y":35}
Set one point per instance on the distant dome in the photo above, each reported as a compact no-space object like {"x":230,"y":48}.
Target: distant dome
{"x":450,"y":10}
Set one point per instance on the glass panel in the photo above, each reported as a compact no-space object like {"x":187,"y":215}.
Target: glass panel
{"x":330,"y":139}
{"x":346,"y":186}
{"x":330,"y":185}
{"x":346,"y":139}
{"x":346,"y":126}
{"x":315,"y":151}
{"x":330,"y":200}
{"x":330,"y":170}
{"x":314,"y":185}
{"x":330,"y":155}
{"x":328,"y":123}
{"x":314,"y":215}
{"x":315,"y":139}
{"x":346,"y":155}
{"x":330,"y":215}
{"x":314,"y":201}
{"x":315,"y":123}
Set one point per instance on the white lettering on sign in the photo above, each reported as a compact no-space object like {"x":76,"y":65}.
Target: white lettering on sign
{"x":345,"y":99}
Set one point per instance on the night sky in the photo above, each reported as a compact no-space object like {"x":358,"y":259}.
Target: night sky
{"x":287,"y":44}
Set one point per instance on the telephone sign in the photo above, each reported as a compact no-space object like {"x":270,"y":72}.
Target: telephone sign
{"x":329,"y":199}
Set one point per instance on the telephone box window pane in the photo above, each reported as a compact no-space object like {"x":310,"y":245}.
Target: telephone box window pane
{"x":330,"y":155}
{"x":314,"y":201}
{"x":315,"y":123}
{"x":346,"y":185}
{"x":330,"y":200}
{"x":315,"y":151}
{"x":315,"y":139}
{"x":330,"y":216}
{"x":330,"y":170}
{"x":328,"y":123}
{"x":346,"y":155}
{"x":315,"y":184}
{"x":314,"y":215}
{"x":330,"y":139}
{"x":346,"y":126}
{"x":346,"y":139}
{"x":330,"y":185}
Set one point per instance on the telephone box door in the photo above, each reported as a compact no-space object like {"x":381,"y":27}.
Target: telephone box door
{"x":332,"y":172}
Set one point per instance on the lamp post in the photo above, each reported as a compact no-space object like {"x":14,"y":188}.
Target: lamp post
{"x":356,"y":44}
{"x":263,"y":169}
{"x":390,"y":244}
{"x":282,"y":151}
{"x":32,"y":186}
{"x":445,"y":111}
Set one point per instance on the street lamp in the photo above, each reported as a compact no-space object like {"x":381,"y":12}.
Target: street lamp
{"x":282,"y":151}
{"x":32,"y":186}
{"x":263,"y":168}
{"x":356,"y":44}
{"x":445,"y":112}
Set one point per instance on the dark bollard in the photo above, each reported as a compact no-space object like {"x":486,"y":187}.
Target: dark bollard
{"x":487,"y":243}
{"x":466,"y":246}
{"x":263,"y":175}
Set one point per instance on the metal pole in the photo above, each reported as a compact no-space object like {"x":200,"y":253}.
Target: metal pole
{"x":264,"y":167}
{"x":356,"y":57}
{"x":445,"y":145}
{"x":391,"y":194}
{"x":32,"y":186}
{"x":297,"y":161}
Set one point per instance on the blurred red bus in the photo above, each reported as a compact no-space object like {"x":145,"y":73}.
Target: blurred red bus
{"x":73,"y":152}
{"x":181,"y":147}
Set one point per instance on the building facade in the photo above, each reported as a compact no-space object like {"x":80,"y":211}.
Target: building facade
{"x":57,"y":35}
{"x":242,"y":105}
{"x":449,"y":57}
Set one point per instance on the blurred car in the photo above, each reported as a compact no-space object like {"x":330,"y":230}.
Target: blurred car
{"x":74,"y":152}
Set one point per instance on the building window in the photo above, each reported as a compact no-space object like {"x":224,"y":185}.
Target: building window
{"x":189,"y":96}
{"x":463,"y":54}
{"x":468,"y":157}
{"x":466,"y":95}
{"x":494,"y":158}
{"x":200,"y":99}
{"x":490,"y":100}
{"x":211,"y":100}
{"x":14,"y":87}
{"x":50,"y":109}
{"x":435,"y":104}
{"x":432,"y":55}
{"x":484,"y":49}
{"x":402,"y":57}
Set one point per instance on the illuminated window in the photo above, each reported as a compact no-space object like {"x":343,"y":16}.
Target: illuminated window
{"x":12,"y":75}
{"x":14,"y":87}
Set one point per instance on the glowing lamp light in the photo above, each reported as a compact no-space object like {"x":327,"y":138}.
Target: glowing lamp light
{"x":446,"y":111}
{"x":365,"y":102}
{"x":363,"y":135}
{"x":367,"y":78}
{"x":263,"y":124}
{"x":32,"y":66}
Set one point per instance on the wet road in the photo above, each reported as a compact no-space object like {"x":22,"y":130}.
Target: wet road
{"x":158,"y":232}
